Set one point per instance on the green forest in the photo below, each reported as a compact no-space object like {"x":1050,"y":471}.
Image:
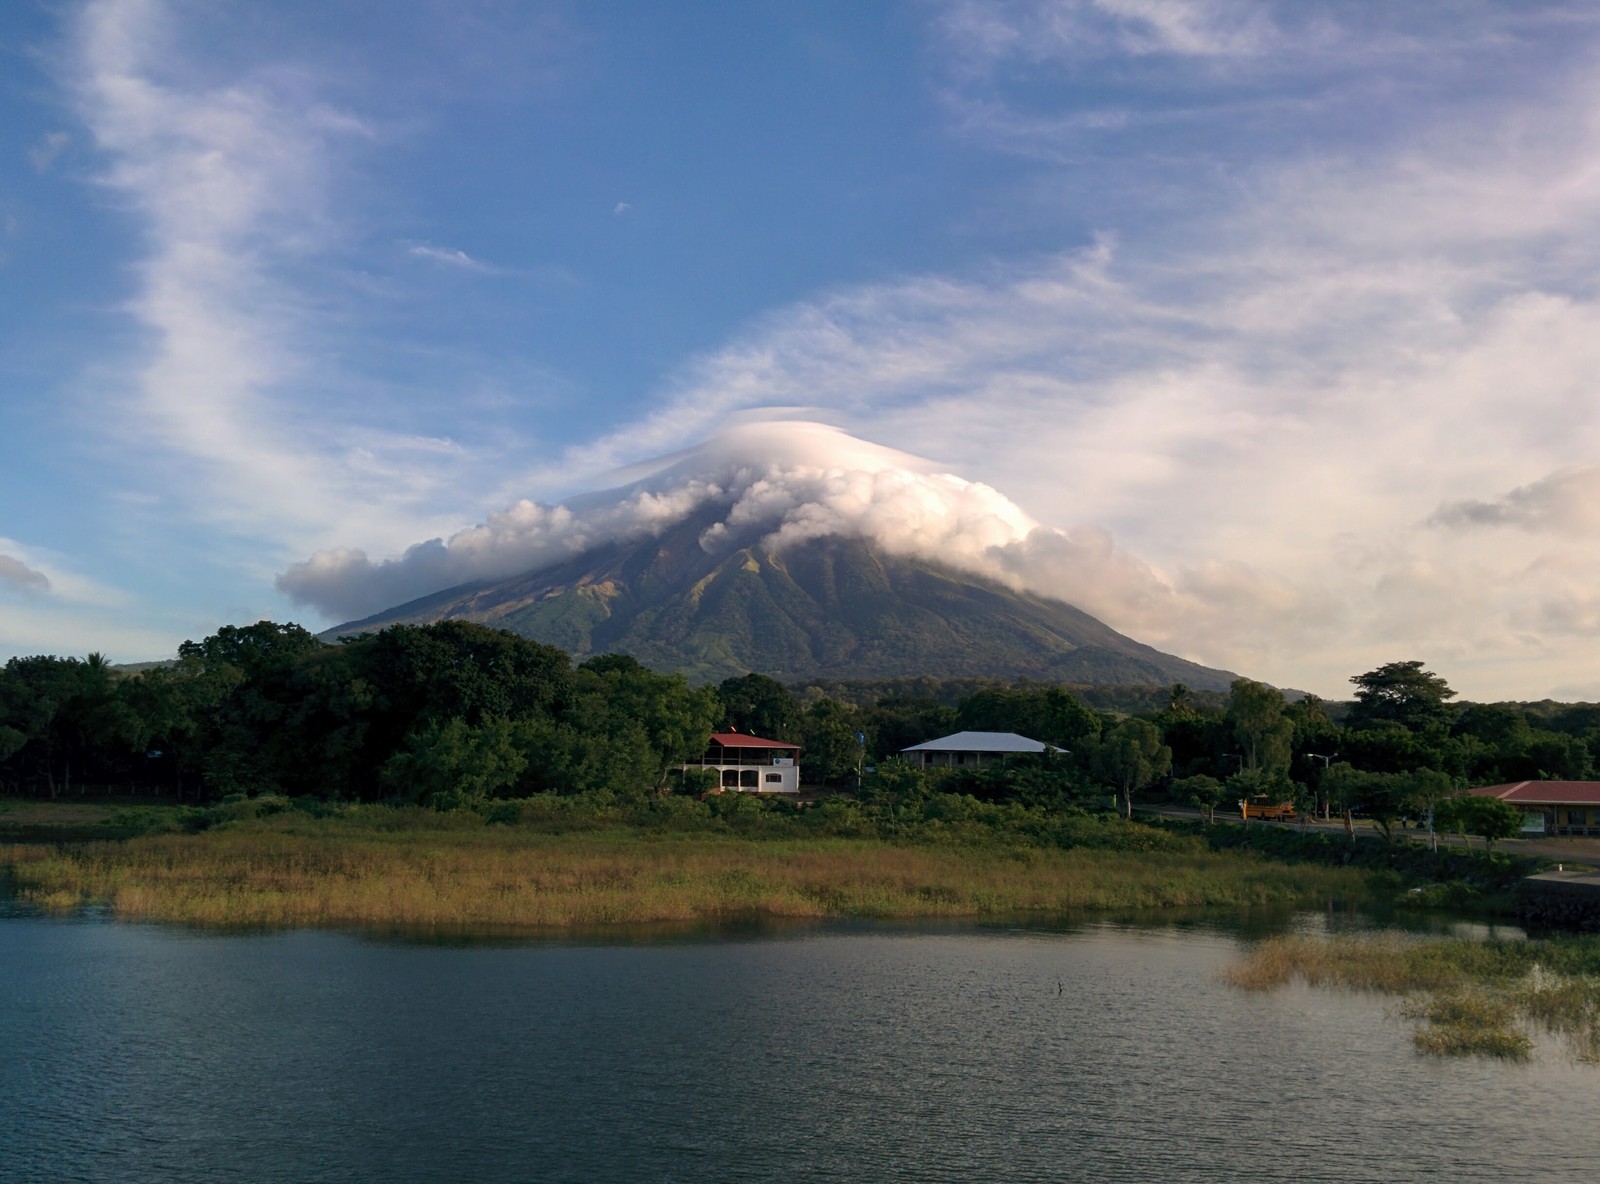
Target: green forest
{"x":458,"y":715}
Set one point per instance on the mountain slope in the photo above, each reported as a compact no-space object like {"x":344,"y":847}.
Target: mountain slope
{"x":834,"y":607}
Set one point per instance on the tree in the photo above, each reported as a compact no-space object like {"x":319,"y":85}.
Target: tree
{"x":1494,"y":820}
{"x":1205,"y":793}
{"x":1130,"y":757}
{"x":68,"y":715}
{"x":252,"y":648}
{"x":460,"y":669}
{"x":1390,"y":748}
{"x":831,"y":751}
{"x":897,"y":722}
{"x":1475,"y":814}
{"x":896,"y":781}
{"x":1047,"y":714}
{"x":676,"y":719}
{"x":1400,"y":693}
{"x":1382,"y":797}
{"x":1425,"y":790}
{"x":1180,"y":700}
{"x":1499,"y":725}
{"x":759,"y":706}
{"x":1049,"y":779}
{"x":586,"y":753}
{"x":699,"y":782}
{"x":1264,"y":732}
{"x":450,"y":764}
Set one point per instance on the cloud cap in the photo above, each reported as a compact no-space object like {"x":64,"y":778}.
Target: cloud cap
{"x":774,"y":482}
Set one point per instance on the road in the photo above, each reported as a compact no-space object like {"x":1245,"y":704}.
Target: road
{"x":1572,"y":852}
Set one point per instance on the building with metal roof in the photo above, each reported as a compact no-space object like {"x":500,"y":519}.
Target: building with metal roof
{"x":972,"y":749}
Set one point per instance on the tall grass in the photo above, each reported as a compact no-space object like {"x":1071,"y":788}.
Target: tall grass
{"x":1473,"y":998}
{"x":292,"y":870}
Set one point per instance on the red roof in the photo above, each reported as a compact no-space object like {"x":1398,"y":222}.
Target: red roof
{"x":740,"y":740}
{"x":1544,"y":793}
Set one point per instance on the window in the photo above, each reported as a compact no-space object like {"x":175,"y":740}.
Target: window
{"x":771,"y":777}
{"x":747,"y":779}
{"x":1576,"y":818}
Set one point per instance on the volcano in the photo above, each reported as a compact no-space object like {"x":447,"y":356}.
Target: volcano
{"x":838,"y":606}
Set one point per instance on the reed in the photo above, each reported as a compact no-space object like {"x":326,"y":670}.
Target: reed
{"x":1473,"y":998}
{"x":324,"y":872}
{"x":1470,"y":1023}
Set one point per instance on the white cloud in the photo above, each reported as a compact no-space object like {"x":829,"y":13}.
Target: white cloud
{"x":778,"y":483}
{"x":1265,"y":418}
{"x":238,"y":403}
{"x":1244,"y":442}
{"x":449,"y":257}
{"x":42,"y":156}
{"x":987,"y":34}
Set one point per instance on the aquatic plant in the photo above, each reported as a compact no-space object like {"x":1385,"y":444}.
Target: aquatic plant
{"x":1481,"y":998}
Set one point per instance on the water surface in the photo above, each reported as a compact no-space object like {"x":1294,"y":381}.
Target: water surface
{"x":1101,"y":1052}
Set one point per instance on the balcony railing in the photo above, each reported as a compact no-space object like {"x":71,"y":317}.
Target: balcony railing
{"x":742,"y":757}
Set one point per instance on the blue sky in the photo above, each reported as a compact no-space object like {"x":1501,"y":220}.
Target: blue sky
{"x":1266,"y":332}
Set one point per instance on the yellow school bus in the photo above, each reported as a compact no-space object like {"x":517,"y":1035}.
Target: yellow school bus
{"x":1262,"y":806}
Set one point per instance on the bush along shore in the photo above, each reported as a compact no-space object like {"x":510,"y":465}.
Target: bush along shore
{"x":1479,"y":881}
{"x":1472,"y":998}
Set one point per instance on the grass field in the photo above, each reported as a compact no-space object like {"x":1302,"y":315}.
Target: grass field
{"x":292,"y":870}
{"x":1473,"y":998}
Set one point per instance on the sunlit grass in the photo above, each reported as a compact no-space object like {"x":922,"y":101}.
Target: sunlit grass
{"x":324,"y":872}
{"x":1470,"y":1023}
{"x":1473,"y":998}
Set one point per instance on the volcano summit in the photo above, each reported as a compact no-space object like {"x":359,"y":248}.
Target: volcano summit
{"x":790,"y":549}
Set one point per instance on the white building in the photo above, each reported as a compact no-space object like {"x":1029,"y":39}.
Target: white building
{"x":751,"y":764}
{"x":972,"y":750}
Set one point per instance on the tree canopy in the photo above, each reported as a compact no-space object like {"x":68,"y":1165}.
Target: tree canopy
{"x":458,"y":714}
{"x":1403,"y":694}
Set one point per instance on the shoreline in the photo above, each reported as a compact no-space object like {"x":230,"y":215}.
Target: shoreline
{"x":326,"y":873}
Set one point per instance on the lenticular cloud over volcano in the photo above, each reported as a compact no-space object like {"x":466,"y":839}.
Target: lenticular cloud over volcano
{"x":771,"y":483}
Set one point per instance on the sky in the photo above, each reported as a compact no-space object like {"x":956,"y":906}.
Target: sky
{"x":1269,"y":333}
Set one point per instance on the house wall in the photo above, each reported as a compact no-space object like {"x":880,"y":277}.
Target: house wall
{"x":768,"y":775}
{"x":958,"y":760}
{"x":1562,"y":820}
{"x":778,"y":777}
{"x":1577,"y":820}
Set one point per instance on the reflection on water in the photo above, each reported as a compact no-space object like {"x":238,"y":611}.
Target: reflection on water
{"x":1071,"y":1051}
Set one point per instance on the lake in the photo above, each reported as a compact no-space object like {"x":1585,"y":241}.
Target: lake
{"x":834,"y":1052}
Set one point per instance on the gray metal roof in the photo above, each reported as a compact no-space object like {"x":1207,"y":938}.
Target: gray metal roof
{"x":980,"y":742}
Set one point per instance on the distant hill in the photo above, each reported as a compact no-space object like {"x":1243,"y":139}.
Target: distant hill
{"x":832,"y":608}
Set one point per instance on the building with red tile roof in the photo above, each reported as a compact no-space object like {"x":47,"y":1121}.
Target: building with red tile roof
{"x":1551,"y":807}
{"x":751,"y":763}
